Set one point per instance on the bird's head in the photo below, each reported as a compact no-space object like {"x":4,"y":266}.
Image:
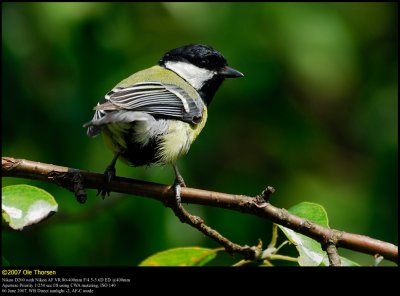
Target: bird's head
{"x":201,"y":66}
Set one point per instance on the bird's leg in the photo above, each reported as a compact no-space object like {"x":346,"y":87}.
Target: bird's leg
{"x":109,"y":174}
{"x":178,"y":184}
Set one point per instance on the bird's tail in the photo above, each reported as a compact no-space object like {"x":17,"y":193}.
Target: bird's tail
{"x":92,"y":130}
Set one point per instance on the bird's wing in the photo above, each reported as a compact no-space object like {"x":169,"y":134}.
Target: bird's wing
{"x":154,"y":98}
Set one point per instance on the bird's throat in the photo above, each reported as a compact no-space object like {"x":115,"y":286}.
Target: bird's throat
{"x":210,"y":87}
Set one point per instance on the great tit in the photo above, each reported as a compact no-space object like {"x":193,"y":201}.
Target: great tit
{"x":154,"y":115}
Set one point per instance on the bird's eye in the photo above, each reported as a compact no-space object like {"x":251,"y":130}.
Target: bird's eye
{"x":203,"y":62}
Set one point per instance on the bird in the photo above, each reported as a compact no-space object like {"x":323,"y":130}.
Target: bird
{"x":153,"y":116}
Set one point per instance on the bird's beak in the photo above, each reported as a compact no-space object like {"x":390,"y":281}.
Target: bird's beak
{"x":229,"y":72}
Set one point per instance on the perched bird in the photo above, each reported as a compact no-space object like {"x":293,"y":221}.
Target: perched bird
{"x":154,"y":115}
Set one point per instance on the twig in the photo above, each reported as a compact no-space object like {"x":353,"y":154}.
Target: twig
{"x":377,"y":259}
{"x":281,"y":245}
{"x":249,"y":253}
{"x":241,"y":263}
{"x":266,"y":263}
{"x":333,"y":255}
{"x":274,"y":237}
{"x":40,"y":171}
{"x":330,"y":247}
{"x":265,"y":195}
{"x":282,"y":257}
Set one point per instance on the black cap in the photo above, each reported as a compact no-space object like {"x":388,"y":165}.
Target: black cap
{"x":200,"y":55}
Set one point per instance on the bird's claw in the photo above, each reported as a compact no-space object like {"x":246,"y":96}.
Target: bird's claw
{"x":103,"y":193}
{"x":177,"y":190}
{"x":178,"y":184}
{"x":109,"y":174}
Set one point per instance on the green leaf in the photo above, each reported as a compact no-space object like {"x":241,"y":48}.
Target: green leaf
{"x":310,"y":251}
{"x":311,"y":211}
{"x":347,"y":262}
{"x":4,"y":262}
{"x":190,"y":256}
{"x":343,"y":262}
{"x":24,"y":205}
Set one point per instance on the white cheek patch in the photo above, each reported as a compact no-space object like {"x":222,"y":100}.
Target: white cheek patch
{"x":194,"y":75}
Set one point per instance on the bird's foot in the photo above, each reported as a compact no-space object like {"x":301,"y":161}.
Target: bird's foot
{"x":178,"y":184}
{"x":109,"y":175}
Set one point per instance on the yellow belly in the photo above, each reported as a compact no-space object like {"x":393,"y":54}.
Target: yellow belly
{"x":170,"y":146}
{"x":176,"y":142}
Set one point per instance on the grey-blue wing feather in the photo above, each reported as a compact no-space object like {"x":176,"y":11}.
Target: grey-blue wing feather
{"x":152,"y":98}
{"x":157,"y":99}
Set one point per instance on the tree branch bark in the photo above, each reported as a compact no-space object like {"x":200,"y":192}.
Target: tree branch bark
{"x":75,"y":180}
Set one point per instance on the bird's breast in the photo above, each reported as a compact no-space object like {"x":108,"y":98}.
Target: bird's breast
{"x":152,"y":142}
{"x":177,"y":141}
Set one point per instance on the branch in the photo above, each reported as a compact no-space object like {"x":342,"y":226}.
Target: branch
{"x":75,"y":180}
{"x":330,"y":247}
{"x":198,"y":223}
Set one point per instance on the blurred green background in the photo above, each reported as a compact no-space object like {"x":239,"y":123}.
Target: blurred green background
{"x":315,"y":116}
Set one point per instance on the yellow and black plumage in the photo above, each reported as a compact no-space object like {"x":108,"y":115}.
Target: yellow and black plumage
{"x":154,"y":115}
